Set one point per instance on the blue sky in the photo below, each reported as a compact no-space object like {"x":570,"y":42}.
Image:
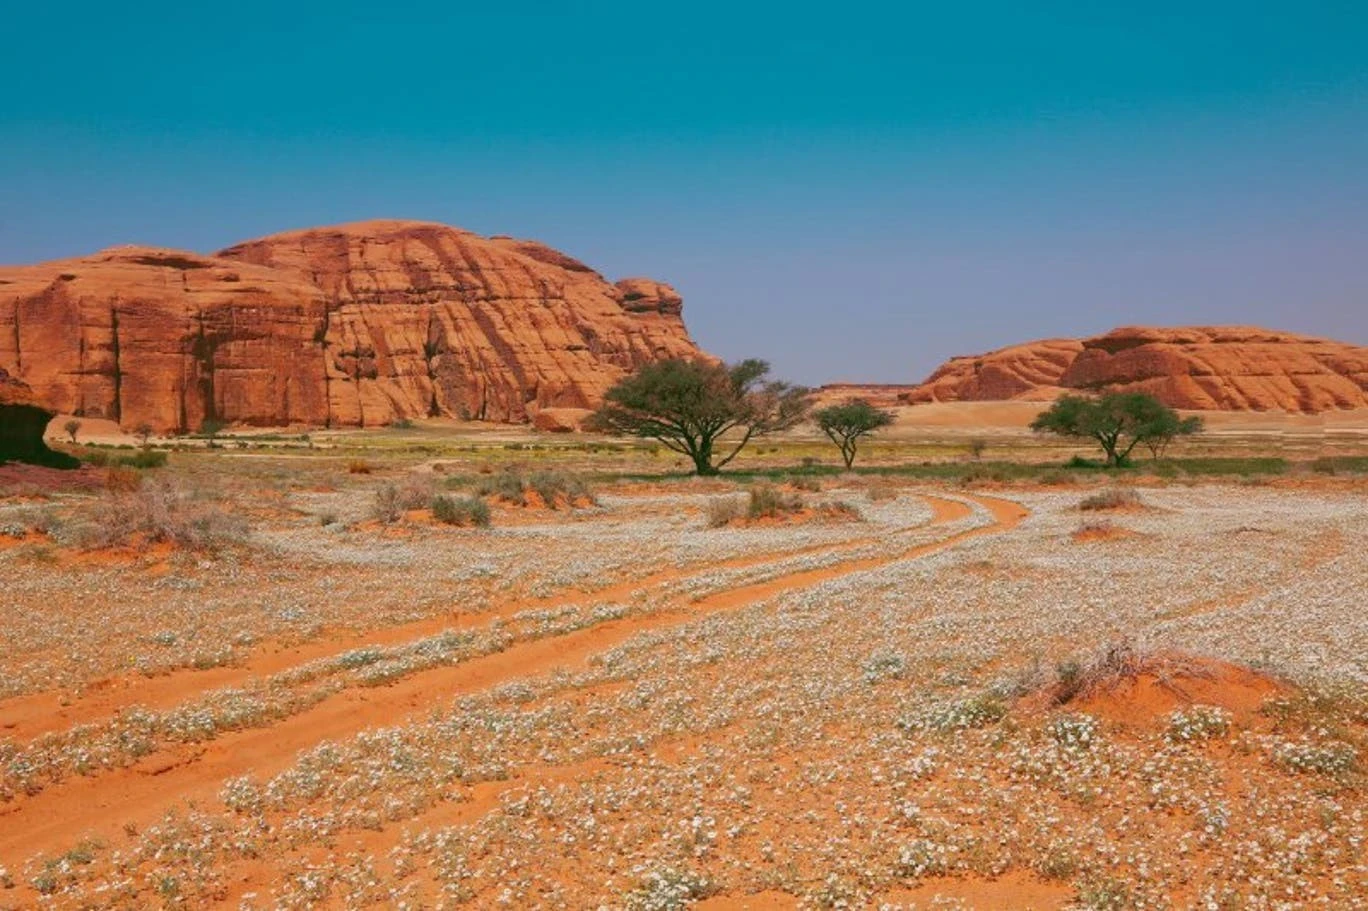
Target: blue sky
{"x":853,"y":191}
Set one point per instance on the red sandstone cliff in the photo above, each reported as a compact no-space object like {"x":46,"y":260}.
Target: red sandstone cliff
{"x":354,"y":325}
{"x":1215,"y":368}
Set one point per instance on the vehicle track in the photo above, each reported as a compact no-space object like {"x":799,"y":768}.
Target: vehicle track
{"x":140,"y":794}
{"x":23,"y":719}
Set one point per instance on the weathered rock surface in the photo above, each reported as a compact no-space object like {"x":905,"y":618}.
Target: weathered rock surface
{"x":1204,"y":368}
{"x":1018,"y":371}
{"x":22,"y":424}
{"x":354,"y":325}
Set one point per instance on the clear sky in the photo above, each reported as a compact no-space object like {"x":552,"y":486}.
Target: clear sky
{"x":854,"y":191}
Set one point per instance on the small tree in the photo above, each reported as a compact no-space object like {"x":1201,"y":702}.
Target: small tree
{"x":210,"y":428}
{"x":977,"y":446}
{"x":690,"y":405}
{"x":1119,"y":421}
{"x":72,"y":427}
{"x":1172,"y":429}
{"x":143,"y":432}
{"x":844,"y":424}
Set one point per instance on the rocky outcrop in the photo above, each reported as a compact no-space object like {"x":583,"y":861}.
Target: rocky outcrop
{"x":354,"y":325}
{"x":1211,"y":368}
{"x":22,"y":424}
{"x":1030,"y":370}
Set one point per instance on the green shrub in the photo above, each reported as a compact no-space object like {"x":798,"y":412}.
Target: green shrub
{"x":461,"y":511}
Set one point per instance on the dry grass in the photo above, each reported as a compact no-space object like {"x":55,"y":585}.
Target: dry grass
{"x":1112,"y":498}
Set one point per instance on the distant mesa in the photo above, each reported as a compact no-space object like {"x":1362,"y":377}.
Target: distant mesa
{"x":356,"y":325}
{"x":1202,"y":368}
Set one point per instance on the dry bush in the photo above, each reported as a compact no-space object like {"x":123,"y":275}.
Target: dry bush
{"x":122,"y":480}
{"x":160,"y":512}
{"x":553,"y":488}
{"x":767,"y":502}
{"x":393,"y":500}
{"x":461,"y":511}
{"x":881,"y":491}
{"x":359,"y":466}
{"x":725,"y":510}
{"x":841,"y":511}
{"x":1116,"y":662}
{"x":809,"y":483}
{"x":1113,"y":498}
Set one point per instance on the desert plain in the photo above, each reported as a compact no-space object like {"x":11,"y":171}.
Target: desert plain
{"x":961,"y":676}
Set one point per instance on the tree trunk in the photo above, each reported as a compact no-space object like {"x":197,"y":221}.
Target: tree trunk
{"x":702,"y":457}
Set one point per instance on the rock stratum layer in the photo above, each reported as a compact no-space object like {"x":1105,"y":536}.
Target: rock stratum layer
{"x":1201,"y":368}
{"x":355,"y":325}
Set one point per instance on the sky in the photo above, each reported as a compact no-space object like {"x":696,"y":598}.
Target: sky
{"x":854,"y":191}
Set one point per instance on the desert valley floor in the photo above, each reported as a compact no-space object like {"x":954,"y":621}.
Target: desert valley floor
{"x":936,"y":694}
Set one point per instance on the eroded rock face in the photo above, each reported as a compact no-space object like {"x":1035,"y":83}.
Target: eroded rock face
{"x":22,"y":424}
{"x":354,"y":325}
{"x":1031,"y":370}
{"x":1204,"y":368}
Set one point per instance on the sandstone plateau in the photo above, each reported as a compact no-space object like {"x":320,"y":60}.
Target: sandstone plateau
{"x":354,"y":325}
{"x":1201,"y":368}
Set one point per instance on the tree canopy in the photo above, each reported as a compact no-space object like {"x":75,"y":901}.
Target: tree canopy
{"x":1118,"y":421}
{"x":690,"y":405}
{"x":847,"y":422}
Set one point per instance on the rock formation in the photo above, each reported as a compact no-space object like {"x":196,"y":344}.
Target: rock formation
{"x":1220,"y":368}
{"x":354,"y":325}
{"x":22,"y":424}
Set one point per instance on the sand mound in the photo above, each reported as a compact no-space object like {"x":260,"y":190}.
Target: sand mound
{"x":1142,"y":691}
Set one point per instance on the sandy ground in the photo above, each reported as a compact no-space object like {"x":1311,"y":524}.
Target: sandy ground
{"x":970,"y":698}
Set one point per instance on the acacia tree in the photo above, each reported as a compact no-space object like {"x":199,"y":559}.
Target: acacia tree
{"x":690,"y":405}
{"x":845,"y":423}
{"x":1119,"y":421}
{"x":1173,"y":427}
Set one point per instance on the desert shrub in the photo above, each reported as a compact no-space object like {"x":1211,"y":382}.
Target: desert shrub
{"x":725,"y":510}
{"x":122,"y":480}
{"x":461,"y":511}
{"x":842,"y":511}
{"x":554,"y":488}
{"x":1117,"y":661}
{"x":1113,"y":498}
{"x":97,"y":457}
{"x":393,"y":500}
{"x":808,"y":482}
{"x":145,"y":458}
{"x":878,"y":492}
{"x":359,"y":466}
{"x":1057,"y":479}
{"x":160,"y":512}
{"x":767,"y":501}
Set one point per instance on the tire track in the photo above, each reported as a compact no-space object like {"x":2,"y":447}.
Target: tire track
{"x":23,"y":719}
{"x":102,"y":805}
